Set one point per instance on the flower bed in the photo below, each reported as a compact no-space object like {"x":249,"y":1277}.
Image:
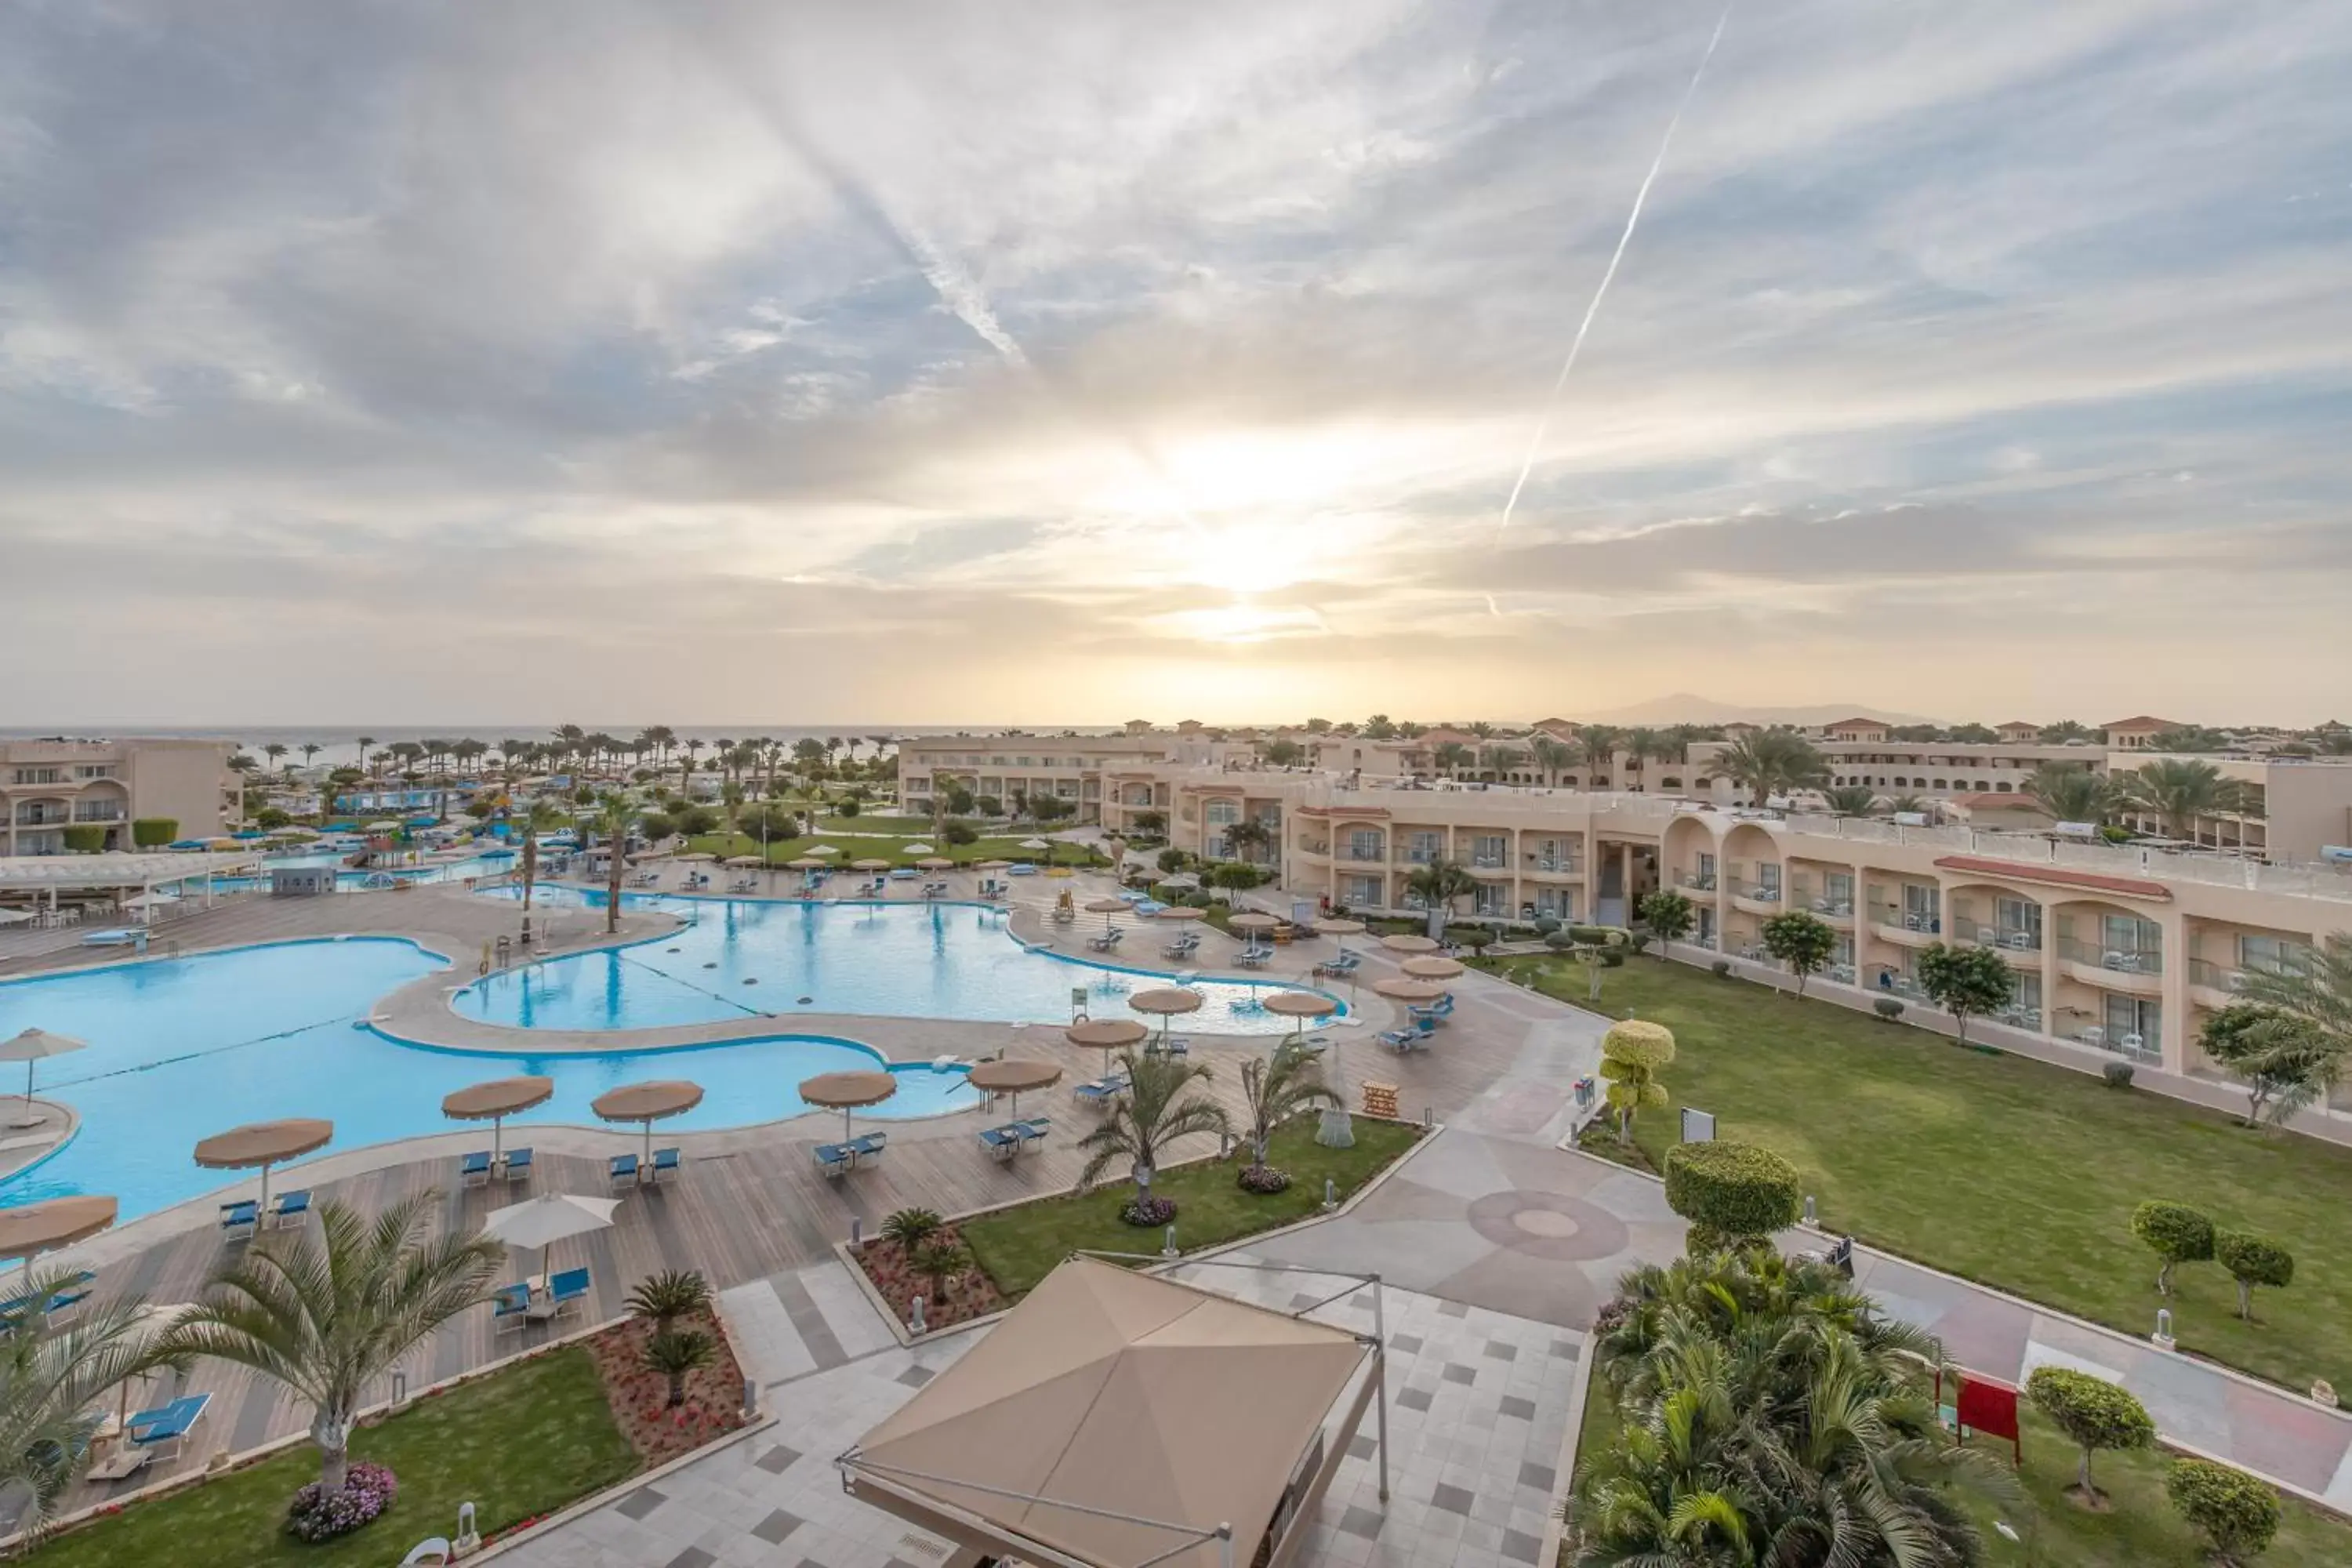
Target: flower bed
{"x":319,"y":1514}
{"x":640,"y":1397}
{"x":970,"y":1295}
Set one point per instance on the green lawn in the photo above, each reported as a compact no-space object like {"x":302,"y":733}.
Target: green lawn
{"x":1019,"y":1247}
{"x":521,"y":1443}
{"x":2138,"y":1530}
{"x":781,"y":851}
{"x":2003,"y":1169}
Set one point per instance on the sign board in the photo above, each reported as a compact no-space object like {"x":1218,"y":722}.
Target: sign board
{"x":1911,"y":819}
{"x":2077,"y":830}
{"x":1698,"y":1126}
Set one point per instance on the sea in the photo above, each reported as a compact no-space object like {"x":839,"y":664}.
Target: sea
{"x":343,"y":740}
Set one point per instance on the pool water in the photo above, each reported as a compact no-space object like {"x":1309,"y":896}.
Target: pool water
{"x":489,"y":863}
{"x":182,"y":1049}
{"x":744,"y":958}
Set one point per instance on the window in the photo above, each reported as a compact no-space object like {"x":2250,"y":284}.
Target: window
{"x":2135,"y":1025}
{"x":2129,"y":934}
{"x":1364,"y":844}
{"x":94,"y":770}
{"x":2273,"y":954}
{"x":1487,"y":899}
{"x":1222,"y":812}
{"x":1421,"y":848}
{"x":1922,"y":906}
{"x":1487,"y":850}
{"x":36,"y":775}
{"x":1767,"y":877}
{"x":1360,"y":890}
{"x":2018,"y":921}
{"x":1839,"y":888}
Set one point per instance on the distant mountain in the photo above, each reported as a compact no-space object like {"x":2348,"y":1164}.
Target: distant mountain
{"x":1683,"y":707}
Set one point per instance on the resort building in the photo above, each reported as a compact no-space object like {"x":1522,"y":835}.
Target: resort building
{"x":1076,"y":768}
{"x":2135,"y":734}
{"x":2113,"y":948}
{"x":48,"y":786}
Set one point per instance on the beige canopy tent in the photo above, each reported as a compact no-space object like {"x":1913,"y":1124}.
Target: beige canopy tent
{"x":263,"y":1143}
{"x":1180,"y":912}
{"x":1336,"y":926}
{"x":495,"y":1101}
{"x":935,"y":863}
{"x":647,"y":1102}
{"x":1115,"y":1420}
{"x":1164,"y":1001}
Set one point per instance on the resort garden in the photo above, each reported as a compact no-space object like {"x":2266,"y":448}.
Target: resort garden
{"x":2005,"y":1171}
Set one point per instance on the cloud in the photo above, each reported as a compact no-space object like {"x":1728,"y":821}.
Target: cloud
{"x":1186,"y":351}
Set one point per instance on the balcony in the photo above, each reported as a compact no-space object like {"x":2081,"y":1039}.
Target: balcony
{"x":1838,"y":911}
{"x":99,"y":811}
{"x":2021,"y":946}
{"x":2139,"y":972}
{"x":1756,"y":897}
{"x":43,"y":816}
{"x":1318,"y":847}
{"x":1695,"y":882}
{"x":1906,"y":928}
{"x":1555,"y":866}
{"x":1361,"y":857}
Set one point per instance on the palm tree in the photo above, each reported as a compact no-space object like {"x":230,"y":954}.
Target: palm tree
{"x":1439,"y":883}
{"x":2071,"y":793}
{"x":50,"y":1377}
{"x":1849,"y":800}
{"x":614,"y":820}
{"x":1247,"y":835}
{"x":2315,"y":989}
{"x":1772,"y":761}
{"x":542,"y":817}
{"x":275,"y":749}
{"x":328,"y":1311}
{"x":1276,"y":1087}
{"x":1156,"y":1109}
{"x":2063,"y":731}
{"x":309,"y":750}
{"x":1904,"y":806}
{"x":1451,"y":757}
{"x":2177,"y":794}
{"x":1552,"y":758}
{"x":1602,"y":744}
{"x":364,"y":743}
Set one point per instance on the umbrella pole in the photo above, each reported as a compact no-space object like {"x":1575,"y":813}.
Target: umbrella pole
{"x":497,"y":1136}
{"x":265,"y":1184}
{"x":29,"y":1091}
{"x":649,"y":1140}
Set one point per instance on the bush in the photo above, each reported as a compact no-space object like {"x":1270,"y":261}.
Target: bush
{"x":988,"y":805}
{"x":1734,"y":1189}
{"x":2118,"y":1074}
{"x":1547,"y":924}
{"x":1597,"y":936}
{"x":2253,"y":1261}
{"x":317,"y":1514}
{"x":1263,"y":1180}
{"x":696,"y":820}
{"x":848,"y":807}
{"x":2234,"y":1512}
{"x":1171,"y":860}
{"x":84,"y":838}
{"x":1720,"y":968}
{"x":1888,"y":1008}
{"x":960,"y":833}
{"x":673,"y":1293}
{"x":153,"y":832}
{"x":1476,"y":937}
{"x":1631,"y":1052}
{"x":656,"y":826}
{"x":2175,"y":1232}
{"x":1147,"y":1211}
{"x":959,"y":801}
{"x":2094,"y":1415}
{"x":911,"y":1228}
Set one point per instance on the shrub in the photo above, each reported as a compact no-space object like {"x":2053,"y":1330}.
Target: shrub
{"x":2253,"y":1261}
{"x":1964,"y":981}
{"x":2118,"y":1074}
{"x":674,"y":1352}
{"x":1596,"y":936}
{"x":1720,"y":968}
{"x":1171,"y":860}
{"x":1888,"y":1008}
{"x":2234,"y":1512}
{"x":673,"y":1293}
{"x":1547,"y":924}
{"x":2175,"y":1232}
{"x":317,"y":1514}
{"x":959,"y":800}
{"x":84,"y":838}
{"x":2094,"y":1415}
{"x":1733,"y":1190}
{"x":656,"y":826}
{"x":1476,"y":937}
{"x":1802,"y":941}
{"x":911,"y":1228}
{"x":960,"y":833}
{"x":1263,"y":1180}
{"x":1631,"y":1052}
{"x":988,"y":805}
{"x":848,"y":807}
{"x":1147,"y":1211}
{"x":696,"y":820}
{"x":938,"y":1261}
{"x":153,"y":832}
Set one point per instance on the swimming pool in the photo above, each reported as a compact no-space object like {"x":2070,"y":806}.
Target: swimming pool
{"x":745,"y":958}
{"x":488,"y":863}
{"x":182,"y":1049}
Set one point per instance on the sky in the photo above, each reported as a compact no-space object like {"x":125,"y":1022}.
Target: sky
{"x":940,"y":363}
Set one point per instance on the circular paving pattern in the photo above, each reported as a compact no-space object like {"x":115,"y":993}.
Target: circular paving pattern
{"x":1548,"y":1226}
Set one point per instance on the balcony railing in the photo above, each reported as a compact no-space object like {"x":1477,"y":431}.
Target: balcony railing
{"x":99,"y":811}
{"x":35,"y":817}
{"x":1567,"y":864}
{"x":1366,"y":856}
{"x":1762,"y":892}
{"x":1924,"y":922}
{"x":2121,"y":960}
{"x":2012,"y":939}
{"x":1696,"y":881}
{"x":2231,"y":976}
{"x":1314,"y":847}
{"x":1418,"y":856}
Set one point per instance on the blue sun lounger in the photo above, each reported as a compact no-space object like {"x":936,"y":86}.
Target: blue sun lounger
{"x":665,"y":1163}
{"x":518,"y":1165}
{"x":622,"y":1170}
{"x":1033,"y":1129}
{"x":291,"y":1208}
{"x":1002,"y":1142}
{"x":474,"y":1169}
{"x":167,"y":1426}
{"x":1411,"y":1036}
{"x":834,"y":1159}
{"x":240,"y":1219}
{"x":509,"y":1308}
{"x":566,"y":1289}
{"x":868,"y":1146}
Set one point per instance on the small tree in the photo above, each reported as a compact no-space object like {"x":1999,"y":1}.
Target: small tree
{"x":1732,"y":1194}
{"x":960,"y":833}
{"x":938,"y":1261}
{"x":664,"y":1298}
{"x":1803,"y":941}
{"x":674,"y":1352}
{"x":2285,"y":1062}
{"x":2175,"y":1232}
{"x":1965,"y":981}
{"x":2093,"y":1413}
{"x":2235,"y":1513}
{"x":911,"y":1228}
{"x":1631,"y":1055}
{"x":2253,"y":1261}
{"x":1669,"y":915}
{"x":1276,"y":1089}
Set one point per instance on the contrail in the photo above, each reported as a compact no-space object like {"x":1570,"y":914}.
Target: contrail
{"x":1592,"y":309}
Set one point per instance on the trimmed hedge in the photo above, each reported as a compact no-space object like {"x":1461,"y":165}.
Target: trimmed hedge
{"x":2236,"y":1513}
{"x":1731,"y":1192}
{"x":2253,"y":1261}
{"x":84,"y":838}
{"x":153,"y":832}
{"x":2093,"y":1413}
{"x":2175,"y":1232}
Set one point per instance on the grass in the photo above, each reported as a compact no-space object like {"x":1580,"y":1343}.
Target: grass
{"x":2139,"y":1529}
{"x":1020,"y":1245}
{"x":782,"y":851}
{"x":518,"y":1444}
{"x":2006,"y":1171}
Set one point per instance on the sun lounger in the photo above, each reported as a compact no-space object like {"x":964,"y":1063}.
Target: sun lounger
{"x":1033,"y":1129}
{"x":1173,"y":1045}
{"x":1254,"y":957}
{"x":509,"y":1308}
{"x":565,"y":1291}
{"x":291,"y":1208}
{"x":1409,"y":1036}
{"x":1023,"y":869}
{"x":518,"y":1166}
{"x":868,"y":1146}
{"x":665,"y":1162}
{"x":1001,"y":1143}
{"x":74,"y":1293}
{"x":166,"y":1427}
{"x":622,"y":1170}
{"x":1099,"y":1089}
{"x":834,"y":1159}
{"x":474,"y":1169}
{"x":239,"y":1220}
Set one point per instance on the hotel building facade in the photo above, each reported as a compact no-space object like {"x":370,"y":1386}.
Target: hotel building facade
{"x":50,"y":785}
